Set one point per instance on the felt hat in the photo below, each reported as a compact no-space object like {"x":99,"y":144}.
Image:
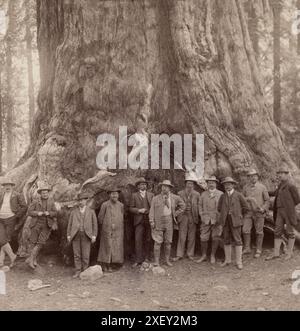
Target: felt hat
{"x":166,"y":182}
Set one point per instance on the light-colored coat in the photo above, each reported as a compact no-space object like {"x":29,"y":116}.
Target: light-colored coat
{"x":90,"y":224}
{"x":111,"y":219}
{"x":157,"y":207}
{"x":208,"y":206}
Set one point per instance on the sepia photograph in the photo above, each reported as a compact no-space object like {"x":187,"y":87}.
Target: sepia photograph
{"x":149,"y":158}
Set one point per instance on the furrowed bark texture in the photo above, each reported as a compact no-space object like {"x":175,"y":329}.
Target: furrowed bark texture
{"x":184,"y":66}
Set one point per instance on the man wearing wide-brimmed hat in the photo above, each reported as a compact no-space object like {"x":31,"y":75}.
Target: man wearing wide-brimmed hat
{"x":284,"y":213}
{"x":258,"y":200}
{"x":232,"y":207}
{"x":187,"y":221}
{"x":165,"y":208}
{"x":12,"y":209}
{"x":111,"y":220}
{"x":139,"y":206}
{"x":208,"y":209}
{"x":44,"y":219}
{"x":82,"y":232}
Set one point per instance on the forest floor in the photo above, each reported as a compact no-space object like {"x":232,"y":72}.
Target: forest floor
{"x":186,"y":286}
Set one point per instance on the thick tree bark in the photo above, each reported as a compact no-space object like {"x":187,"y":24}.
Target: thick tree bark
{"x":98,"y":60}
{"x":277,"y":7}
{"x":1,"y":120}
{"x":28,"y":39}
{"x":9,"y":40}
{"x":252,"y":9}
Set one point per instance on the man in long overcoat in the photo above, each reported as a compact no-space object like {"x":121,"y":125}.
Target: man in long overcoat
{"x":111,"y":221}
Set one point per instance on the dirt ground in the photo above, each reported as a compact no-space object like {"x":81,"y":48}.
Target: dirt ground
{"x":186,"y":286}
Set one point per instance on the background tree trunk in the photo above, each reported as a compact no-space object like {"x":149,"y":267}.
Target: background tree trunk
{"x":276,"y":4}
{"x":28,"y":38}
{"x":9,"y":41}
{"x":1,"y":119}
{"x":98,"y":60}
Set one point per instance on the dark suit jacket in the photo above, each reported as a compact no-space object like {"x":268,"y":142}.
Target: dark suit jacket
{"x":90,"y":224}
{"x":195,"y":205}
{"x":290,"y":196}
{"x":36,"y":207}
{"x":136,"y":203}
{"x":239,"y":207}
{"x":17,"y":203}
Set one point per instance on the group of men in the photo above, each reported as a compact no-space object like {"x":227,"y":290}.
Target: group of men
{"x":224,"y":217}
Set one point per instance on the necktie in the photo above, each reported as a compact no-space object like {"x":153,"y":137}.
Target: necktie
{"x":167,"y":201}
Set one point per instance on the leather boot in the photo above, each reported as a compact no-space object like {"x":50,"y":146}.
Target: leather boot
{"x":8,"y":250}
{"x":276,"y":253}
{"x":238,"y":256}
{"x":290,"y":248}
{"x":35,"y":261}
{"x":204,"y":246}
{"x":168,"y":255}
{"x":156,"y":253}
{"x":227,"y":251}
{"x":214,"y":247}
{"x":2,"y":257}
{"x":259,"y":243}
{"x":32,"y":258}
{"x":247,"y":243}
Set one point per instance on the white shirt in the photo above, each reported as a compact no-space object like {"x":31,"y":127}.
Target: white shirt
{"x":5,"y":211}
{"x":82,"y":209}
{"x":212,"y":192}
{"x":143,"y":194}
{"x":230,"y":192}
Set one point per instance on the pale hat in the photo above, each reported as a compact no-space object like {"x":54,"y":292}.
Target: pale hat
{"x":7,"y":181}
{"x":252,"y":172}
{"x":43,"y":187}
{"x":166,"y":182}
{"x":191,"y":177}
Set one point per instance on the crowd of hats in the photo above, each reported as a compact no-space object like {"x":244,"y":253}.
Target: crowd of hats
{"x":189,"y":177}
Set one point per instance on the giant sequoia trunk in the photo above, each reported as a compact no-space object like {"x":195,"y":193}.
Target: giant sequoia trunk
{"x":98,"y":60}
